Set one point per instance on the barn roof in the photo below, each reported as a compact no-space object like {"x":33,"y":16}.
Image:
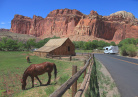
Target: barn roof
{"x":51,"y":45}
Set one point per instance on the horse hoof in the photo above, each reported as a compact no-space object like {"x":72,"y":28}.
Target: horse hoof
{"x":48,"y":84}
{"x":41,"y":84}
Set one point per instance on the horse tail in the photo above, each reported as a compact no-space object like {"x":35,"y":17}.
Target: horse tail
{"x":55,"y":71}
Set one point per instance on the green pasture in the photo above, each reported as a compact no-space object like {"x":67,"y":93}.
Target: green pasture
{"x":83,"y":51}
{"x":13,"y":65}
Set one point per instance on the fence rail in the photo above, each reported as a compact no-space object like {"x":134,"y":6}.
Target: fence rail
{"x":59,"y":56}
{"x":63,"y":88}
{"x":85,"y":82}
{"x":69,"y":56}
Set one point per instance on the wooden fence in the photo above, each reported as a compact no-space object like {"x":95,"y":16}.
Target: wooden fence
{"x":72,"y":81}
{"x":69,"y":56}
{"x":59,"y":56}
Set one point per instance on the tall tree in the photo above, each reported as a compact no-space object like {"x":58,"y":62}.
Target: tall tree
{"x":30,"y":44}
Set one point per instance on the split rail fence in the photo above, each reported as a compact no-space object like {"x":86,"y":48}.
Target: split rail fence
{"x":73,"y":80}
{"x":59,"y":56}
{"x":69,"y":56}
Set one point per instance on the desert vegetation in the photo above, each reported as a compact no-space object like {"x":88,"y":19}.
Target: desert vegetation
{"x":129,"y":47}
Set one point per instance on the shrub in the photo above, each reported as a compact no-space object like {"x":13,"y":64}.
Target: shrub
{"x":127,"y":41}
{"x":123,"y":50}
{"x":131,"y":50}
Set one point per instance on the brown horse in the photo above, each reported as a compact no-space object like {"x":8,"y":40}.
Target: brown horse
{"x":28,"y":59}
{"x":38,"y":69}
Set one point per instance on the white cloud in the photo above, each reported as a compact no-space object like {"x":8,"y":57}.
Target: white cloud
{"x":2,"y":23}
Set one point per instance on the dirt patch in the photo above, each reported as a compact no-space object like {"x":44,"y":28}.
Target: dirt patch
{"x":23,"y":54}
{"x":136,"y":57}
{"x":109,"y":88}
{"x":7,"y":92}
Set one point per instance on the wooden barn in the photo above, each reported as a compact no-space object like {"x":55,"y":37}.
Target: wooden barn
{"x":62,"y":46}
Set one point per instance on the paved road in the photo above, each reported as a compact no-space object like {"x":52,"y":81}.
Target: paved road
{"x":124,"y":71}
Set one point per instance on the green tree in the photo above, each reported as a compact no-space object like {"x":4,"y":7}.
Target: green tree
{"x":137,"y":41}
{"x":81,"y":44}
{"x":113,"y":43}
{"x":3,"y":43}
{"x":127,"y":41}
{"x":101,"y":44}
{"x":11,"y":45}
{"x":30,"y":44}
{"x":95,"y":44}
{"x":86,"y":46}
{"x":8,"y":44}
{"x":0,"y":46}
{"x":40,"y":44}
{"x":21,"y":46}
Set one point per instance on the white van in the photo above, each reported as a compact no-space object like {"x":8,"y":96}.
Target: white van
{"x":110,"y":50}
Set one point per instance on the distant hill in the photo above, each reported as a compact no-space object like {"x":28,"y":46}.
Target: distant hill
{"x":16,"y":36}
{"x":4,"y":30}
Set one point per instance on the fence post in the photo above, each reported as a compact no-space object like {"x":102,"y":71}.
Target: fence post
{"x":93,"y":55}
{"x":74,"y":85}
{"x":60,"y":57}
{"x":70,"y":58}
{"x":52,"y":56}
{"x":85,"y":69}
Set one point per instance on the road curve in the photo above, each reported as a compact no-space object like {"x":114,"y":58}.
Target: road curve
{"x":124,"y":71}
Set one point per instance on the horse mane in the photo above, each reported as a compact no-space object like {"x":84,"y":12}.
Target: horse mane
{"x":55,"y":70}
{"x":25,"y":73}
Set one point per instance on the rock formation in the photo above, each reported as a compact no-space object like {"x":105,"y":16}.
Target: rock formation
{"x":66,"y":22}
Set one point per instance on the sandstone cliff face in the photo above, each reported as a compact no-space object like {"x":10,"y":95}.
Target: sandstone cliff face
{"x":58,"y":22}
{"x":66,"y":22}
{"x":25,"y":25}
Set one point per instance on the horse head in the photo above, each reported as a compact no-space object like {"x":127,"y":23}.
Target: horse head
{"x":23,"y":84}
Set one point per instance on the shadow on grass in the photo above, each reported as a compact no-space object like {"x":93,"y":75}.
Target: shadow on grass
{"x":41,"y":86}
{"x":94,"y":87}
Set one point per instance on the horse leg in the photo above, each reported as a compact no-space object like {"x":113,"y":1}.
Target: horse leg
{"x":38,"y":80}
{"x":49,"y":75}
{"x":32,"y":81}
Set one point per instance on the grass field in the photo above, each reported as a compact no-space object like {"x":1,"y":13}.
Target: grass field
{"x":83,"y":51}
{"x":13,"y":65}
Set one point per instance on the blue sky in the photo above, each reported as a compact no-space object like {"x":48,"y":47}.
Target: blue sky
{"x":8,"y":8}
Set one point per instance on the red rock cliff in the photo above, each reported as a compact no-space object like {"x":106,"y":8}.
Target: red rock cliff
{"x":66,"y":22}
